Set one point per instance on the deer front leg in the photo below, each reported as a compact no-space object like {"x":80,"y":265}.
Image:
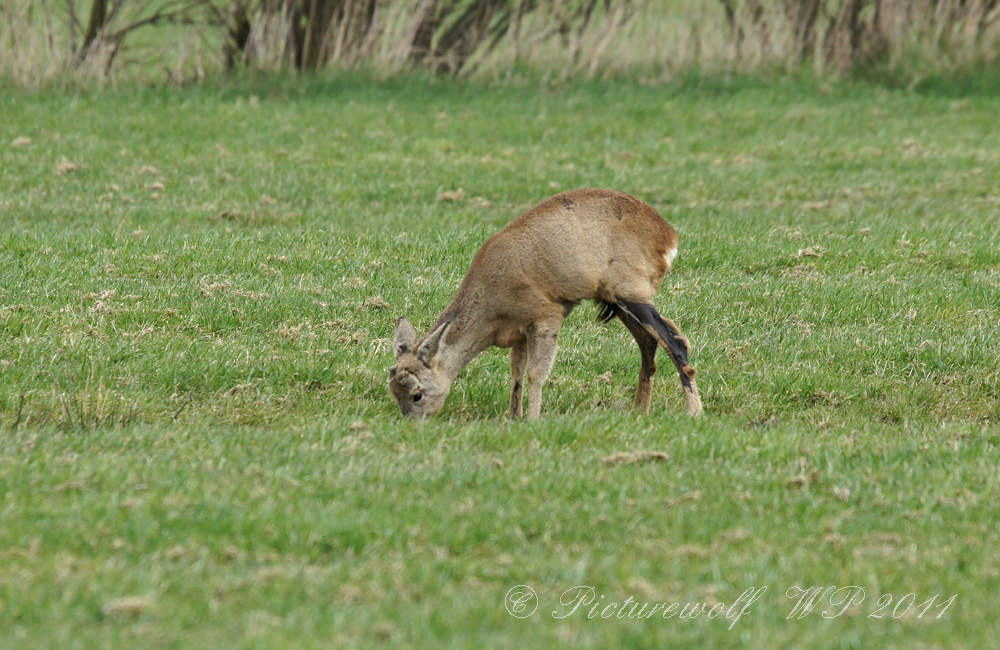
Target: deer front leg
{"x":518,"y":362}
{"x":543,"y":341}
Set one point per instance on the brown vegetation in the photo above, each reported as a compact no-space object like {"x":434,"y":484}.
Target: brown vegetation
{"x":48,"y":38}
{"x":842,"y":34}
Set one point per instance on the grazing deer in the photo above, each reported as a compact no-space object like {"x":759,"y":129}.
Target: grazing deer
{"x":583,"y":244}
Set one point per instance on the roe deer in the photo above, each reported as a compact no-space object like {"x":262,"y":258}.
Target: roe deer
{"x":591,"y":244}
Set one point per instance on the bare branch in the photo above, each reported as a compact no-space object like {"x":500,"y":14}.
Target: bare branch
{"x":73,"y":22}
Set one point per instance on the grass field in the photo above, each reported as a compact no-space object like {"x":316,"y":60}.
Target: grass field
{"x":197,"y":296}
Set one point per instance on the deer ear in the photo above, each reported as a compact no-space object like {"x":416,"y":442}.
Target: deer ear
{"x":404,"y":338}
{"x":431,"y":346}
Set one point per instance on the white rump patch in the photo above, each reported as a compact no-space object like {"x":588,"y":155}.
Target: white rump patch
{"x":669,"y":256}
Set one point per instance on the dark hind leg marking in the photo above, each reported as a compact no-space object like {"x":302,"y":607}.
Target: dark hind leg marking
{"x":668,"y":336}
{"x":647,"y":349}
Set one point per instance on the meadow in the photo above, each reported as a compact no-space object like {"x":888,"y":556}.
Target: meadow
{"x":198,"y":290}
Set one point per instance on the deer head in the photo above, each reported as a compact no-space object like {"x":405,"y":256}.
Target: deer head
{"x":418,"y":381}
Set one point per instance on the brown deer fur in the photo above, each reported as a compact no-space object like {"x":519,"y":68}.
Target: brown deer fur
{"x":583,"y":244}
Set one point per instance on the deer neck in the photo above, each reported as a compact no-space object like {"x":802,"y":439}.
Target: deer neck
{"x":469,"y":335}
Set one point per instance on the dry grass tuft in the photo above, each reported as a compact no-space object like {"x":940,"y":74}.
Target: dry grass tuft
{"x":128,"y":607}
{"x":635,"y":457}
{"x":65,"y":166}
{"x":451,"y":196}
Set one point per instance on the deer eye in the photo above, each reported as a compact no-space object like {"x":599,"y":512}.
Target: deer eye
{"x":417,"y":397}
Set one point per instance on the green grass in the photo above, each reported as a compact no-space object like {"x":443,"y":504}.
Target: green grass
{"x":196,"y":320}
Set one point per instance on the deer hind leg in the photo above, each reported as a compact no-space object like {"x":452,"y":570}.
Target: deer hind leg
{"x":647,"y":349}
{"x":669,"y":337}
{"x":518,"y":363}
{"x":543,"y":341}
